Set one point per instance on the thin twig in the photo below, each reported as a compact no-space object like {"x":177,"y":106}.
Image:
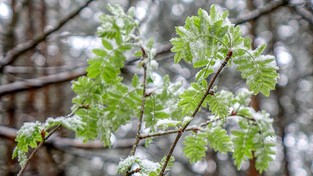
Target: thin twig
{"x":24,"y":47}
{"x":257,"y":13}
{"x":143,"y":101}
{"x":182,"y":130}
{"x":304,"y":13}
{"x":59,"y":77}
{"x":41,"y":81}
{"x":195,"y":128}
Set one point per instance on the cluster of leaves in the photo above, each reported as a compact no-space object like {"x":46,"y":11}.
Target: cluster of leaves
{"x":204,"y":41}
{"x":143,"y":166}
{"x":32,"y":133}
{"x":253,"y":133}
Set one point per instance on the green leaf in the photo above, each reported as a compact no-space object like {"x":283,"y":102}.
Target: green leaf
{"x":150,"y":43}
{"x":243,"y":142}
{"x":74,"y":123}
{"x":213,"y":13}
{"x":264,"y":142}
{"x":260,"y":71}
{"x":182,"y":49}
{"x":135,"y":81}
{"x":27,"y":136}
{"x":243,"y":97}
{"x":190,"y":98}
{"x":195,"y":146}
{"x":264,"y":151}
{"x":220,"y":103}
{"x":138,"y":53}
{"x":201,"y":63}
{"x":146,"y":166}
{"x":204,"y":73}
{"x":125,"y":164}
{"x":107,"y":44}
{"x":94,"y":68}
{"x":166,"y":123}
{"x":90,"y":118}
{"x":162,"y":104}
{"x":100,"y":52}
{"x":219,"y":140}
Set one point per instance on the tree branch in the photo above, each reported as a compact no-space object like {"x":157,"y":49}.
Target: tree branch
{"x":49,"y":70}
{"x":143,"y":101}
{"x":195,"y":128}
{"x":55,"y":78}
{"x":61,"y":142}
{"x":24,"y":47}
{"x":304,"y":13}
{"x":41,"y":81}
{"x":257,"y":13}
{"x":182,"y":129}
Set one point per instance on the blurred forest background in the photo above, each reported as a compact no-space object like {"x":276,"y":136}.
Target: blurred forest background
{"x":44,"y":45}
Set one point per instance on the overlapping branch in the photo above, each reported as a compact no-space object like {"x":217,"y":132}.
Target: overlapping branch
{"x":61,"y":142}
{"x":257,"y":13}
{"x":41,"y":81}
{"x":304,"y":13}
{"x":183,"y":129}
{"x":19,"y":50}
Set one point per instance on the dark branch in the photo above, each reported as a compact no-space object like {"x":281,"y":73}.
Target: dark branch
{"x":49,"y":70}
{"x":183,"y":129}
{"x":195,"y":128}
{"x":304,"y":13}
{"x":143,"y":102}
{"x":24,"y":47}
{"x":61,"y":142}
{"x":41,"y":81}
{"x":257,"y":13}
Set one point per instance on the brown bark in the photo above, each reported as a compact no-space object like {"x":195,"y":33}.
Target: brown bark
{"x":30,"y":107}
{"x":9,"y":38}
{"x":252,"y":171}
{"x":43,"y":49}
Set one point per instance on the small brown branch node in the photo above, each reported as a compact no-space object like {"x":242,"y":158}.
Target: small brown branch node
{"x":134,"y":171}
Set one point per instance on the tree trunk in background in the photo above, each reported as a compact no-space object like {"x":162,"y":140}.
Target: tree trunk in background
{"x":254,"y":100}
{"x":59,"y":105}
{"x":43,"y":49}
{"x":10,"y":42}
{"x":30,"y":108}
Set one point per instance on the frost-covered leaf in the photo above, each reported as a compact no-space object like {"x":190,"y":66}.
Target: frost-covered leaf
{"x":243,"y":142}
{"x":166,"y":123}
{"x":125,"y":164}
{"x":260,"y":71}
{"x":162,"y":103}
{"x":202,"y":40}
{"x":264,"y":142}
{"x":145,"y":166}
{"x":219,"y":103}
{"x":29,"y":135}
{"x":195,"y":146}
{"x":243,"y":97}
{"x":257,"y":137}
{"x":190,"y":98}
{"x":74,"y":123}
{"x":219,"y":140}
